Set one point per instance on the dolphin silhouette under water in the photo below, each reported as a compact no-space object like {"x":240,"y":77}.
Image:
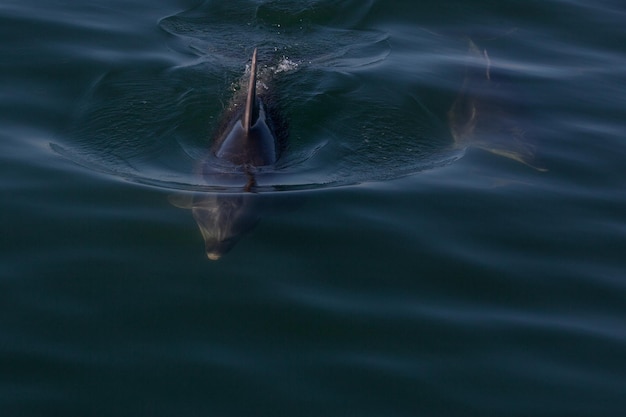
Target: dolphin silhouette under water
{"x":481,"y":116}
{"x":246,"y":142}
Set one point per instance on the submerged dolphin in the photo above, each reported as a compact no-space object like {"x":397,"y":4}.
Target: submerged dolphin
{"x":246,"y":142}
{"x":480,"y":118}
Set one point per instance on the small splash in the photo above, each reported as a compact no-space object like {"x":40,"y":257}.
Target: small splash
{"x":267,"y":72}
{"x":285,"y":65}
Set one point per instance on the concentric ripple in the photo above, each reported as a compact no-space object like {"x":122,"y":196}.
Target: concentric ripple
{"x":347,"y":123}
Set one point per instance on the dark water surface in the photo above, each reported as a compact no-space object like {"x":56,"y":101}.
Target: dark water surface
{"x":404,"y":273}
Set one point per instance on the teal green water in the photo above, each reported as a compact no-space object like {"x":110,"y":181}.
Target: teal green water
{"x":395,"y":273}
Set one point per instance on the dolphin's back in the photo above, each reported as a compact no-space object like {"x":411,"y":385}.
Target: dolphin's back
{"x":249,"y":138}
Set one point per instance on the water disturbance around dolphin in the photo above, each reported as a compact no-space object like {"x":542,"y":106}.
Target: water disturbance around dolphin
{"x":154,"y":126}
{"x":178,"y":123}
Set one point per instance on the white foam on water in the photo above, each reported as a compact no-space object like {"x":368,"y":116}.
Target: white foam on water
{"x":285,"y":65}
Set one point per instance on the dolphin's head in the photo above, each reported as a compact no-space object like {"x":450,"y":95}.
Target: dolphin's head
{"x":223,"y":219}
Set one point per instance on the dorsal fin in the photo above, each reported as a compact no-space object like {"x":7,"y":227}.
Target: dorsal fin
{"x":248,"y":116}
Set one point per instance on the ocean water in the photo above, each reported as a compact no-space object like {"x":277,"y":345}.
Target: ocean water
{"x":444,"y":233}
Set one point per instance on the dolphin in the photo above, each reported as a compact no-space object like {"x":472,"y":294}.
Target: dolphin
{"x":246,"y":142}
{"x":249,"y":139}
{"x":479,"y":117}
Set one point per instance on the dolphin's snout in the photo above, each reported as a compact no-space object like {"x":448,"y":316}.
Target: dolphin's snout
{"x":214,"y":256}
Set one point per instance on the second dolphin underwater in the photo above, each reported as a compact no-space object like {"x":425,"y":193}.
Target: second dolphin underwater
{"x":248,"y":141}
{"x":481,"y":117}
